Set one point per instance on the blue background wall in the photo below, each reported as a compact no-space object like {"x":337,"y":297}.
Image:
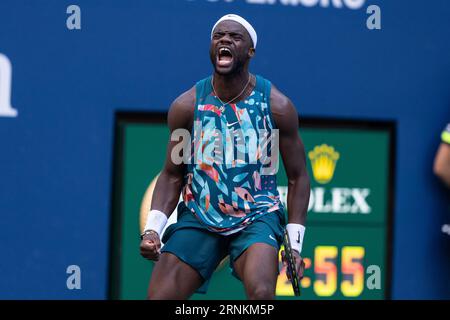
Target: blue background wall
{"x":56,"y":156}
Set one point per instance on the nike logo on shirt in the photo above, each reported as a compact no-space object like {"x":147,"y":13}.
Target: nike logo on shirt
{"x":231,"y":124}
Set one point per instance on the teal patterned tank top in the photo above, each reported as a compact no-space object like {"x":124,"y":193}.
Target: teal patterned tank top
{"x":231,"y":173}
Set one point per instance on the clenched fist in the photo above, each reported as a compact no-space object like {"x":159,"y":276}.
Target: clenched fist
{"x":299,"y":264}
{"x":151,"y":246}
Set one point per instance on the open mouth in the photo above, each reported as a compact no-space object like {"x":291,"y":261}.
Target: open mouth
{"x":224,"y":57}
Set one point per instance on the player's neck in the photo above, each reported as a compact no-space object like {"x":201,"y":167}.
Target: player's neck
{"x":228,"y":86}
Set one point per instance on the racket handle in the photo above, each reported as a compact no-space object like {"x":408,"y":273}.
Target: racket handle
{"x":291,"y":269}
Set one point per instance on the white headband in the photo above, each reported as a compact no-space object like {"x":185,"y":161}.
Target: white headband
{"x":240,"y":20}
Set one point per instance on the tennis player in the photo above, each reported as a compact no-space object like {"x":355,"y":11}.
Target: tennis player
{"x":238,"y":124}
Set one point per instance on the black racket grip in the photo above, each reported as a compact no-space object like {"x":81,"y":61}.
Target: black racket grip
{"x":292,"y":271}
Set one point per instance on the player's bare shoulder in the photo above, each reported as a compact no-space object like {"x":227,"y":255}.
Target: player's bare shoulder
{"x":181,"y":112}
{"x":283,"y":110}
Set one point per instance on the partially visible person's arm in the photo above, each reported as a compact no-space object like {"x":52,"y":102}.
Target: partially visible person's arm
{"x":169,"y":184}
{"x":441,"y":166}
{"x":293,"y":155}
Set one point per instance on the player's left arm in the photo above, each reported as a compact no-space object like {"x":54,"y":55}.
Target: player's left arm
{"x":293,"y":154}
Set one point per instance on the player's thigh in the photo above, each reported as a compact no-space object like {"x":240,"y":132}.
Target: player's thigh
{"x":189,"y":257}
{"x":254,"y":253}
{"x":257,"y":267}
{"x":173,"y":279}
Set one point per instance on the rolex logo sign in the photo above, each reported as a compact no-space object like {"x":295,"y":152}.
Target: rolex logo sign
{"x":323,"y":162}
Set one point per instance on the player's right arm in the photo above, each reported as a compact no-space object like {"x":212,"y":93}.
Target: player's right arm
{"x":170,"y":182}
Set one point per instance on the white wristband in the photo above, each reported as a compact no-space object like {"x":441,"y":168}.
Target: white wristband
{"x":156,"y":220}
{"x":296,"y":232}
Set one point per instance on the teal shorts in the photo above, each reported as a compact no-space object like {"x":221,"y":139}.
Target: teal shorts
{"x":203,"y":250}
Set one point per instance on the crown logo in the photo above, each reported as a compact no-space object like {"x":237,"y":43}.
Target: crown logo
{"x":323,"y":162}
